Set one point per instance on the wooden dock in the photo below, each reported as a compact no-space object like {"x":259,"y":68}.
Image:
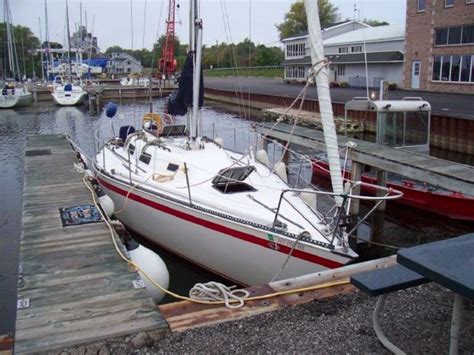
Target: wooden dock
{"x":79,"y":289}
{"x":443,"y":173}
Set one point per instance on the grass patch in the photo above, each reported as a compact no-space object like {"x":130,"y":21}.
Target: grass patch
{"x":254,"y":72}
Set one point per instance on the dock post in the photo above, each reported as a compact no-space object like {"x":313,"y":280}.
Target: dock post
{"x":379,"y":214}
{"x":381,"y":181}
{"x":356,"y":172}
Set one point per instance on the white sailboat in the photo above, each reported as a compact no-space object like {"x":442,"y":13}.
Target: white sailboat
{"x":68,"y":92}
{"x":225,"y":211}
{"x":13,"y":94}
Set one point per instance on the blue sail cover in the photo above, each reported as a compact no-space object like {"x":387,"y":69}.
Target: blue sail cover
{"x":180,"y":101}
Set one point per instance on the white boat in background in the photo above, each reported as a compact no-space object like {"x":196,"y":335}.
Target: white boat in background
{"x":133,"y":81}
{"x":228,"y":212}
{"x":68,"y":93}
{"x":15,"y":97}
{"x":14,"y":94}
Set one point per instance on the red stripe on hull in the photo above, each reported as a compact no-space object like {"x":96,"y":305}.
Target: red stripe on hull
{"x":223,"y":229}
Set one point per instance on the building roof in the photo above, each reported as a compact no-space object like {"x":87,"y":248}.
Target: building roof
{"x":372,"y":57}
{"x":328,"y":27}
{"x":353,"y":58}
{"x":369,"y":34}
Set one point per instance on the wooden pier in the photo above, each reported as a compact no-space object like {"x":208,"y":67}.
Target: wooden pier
{"x":443,"y":173}
{"x":78,"y":288}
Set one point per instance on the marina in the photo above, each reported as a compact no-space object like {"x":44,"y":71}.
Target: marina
{"x":172,"y":200}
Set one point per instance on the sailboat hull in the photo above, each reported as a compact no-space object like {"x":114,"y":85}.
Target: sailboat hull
{"x":72,"y":100}
{"x":243,"y":252}
{"x":12,"y":101}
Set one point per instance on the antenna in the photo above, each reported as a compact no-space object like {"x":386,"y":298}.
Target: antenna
{"x":365,"y":57}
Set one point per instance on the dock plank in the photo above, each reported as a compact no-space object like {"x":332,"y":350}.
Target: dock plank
{"x":80,"y":290}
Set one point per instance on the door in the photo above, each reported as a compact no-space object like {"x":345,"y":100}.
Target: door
{"x":415,"y":74}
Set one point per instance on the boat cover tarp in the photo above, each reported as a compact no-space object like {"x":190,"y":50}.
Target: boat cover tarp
{"x":180,"y":101}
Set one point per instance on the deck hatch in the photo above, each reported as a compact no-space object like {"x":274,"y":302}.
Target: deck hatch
{"x":232,"y":179}
{"x":37,"y":152}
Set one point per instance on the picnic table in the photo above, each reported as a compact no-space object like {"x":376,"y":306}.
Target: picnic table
{"x":449,"y":263}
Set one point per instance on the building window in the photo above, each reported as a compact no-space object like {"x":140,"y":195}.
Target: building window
{"x":441,"y":36}
{"x":296,"y":72}
{"x":466,"y":68}
{"x":343,"y":50}
{"x":468,"y":34}
{"x":454,"y":35}
{"x":356,"y":49}
{"x":436,"y":68}
{"x":296,"y":50}
{"x":453,"y":68}
{"x":341,"y":70}
{"x":421,"y":5}
{"x":448,"y":3}
{"x":469,"y":2}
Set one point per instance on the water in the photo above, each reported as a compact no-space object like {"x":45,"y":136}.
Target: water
{"x":402,"y":226}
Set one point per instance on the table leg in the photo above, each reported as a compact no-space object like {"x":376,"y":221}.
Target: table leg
{"x":456,"y":324}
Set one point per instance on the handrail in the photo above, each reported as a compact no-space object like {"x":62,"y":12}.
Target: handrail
{"x":345,"y":196}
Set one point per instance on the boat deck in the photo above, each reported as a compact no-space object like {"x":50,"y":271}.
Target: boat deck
{"x":443,"y":173}
{"x":79,"y":289}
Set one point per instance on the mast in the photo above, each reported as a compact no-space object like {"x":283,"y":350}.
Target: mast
{"x":49,"y":61}
{"x":68,"y":42}
{"x":324,"y":97}
{"x":197,"y":24}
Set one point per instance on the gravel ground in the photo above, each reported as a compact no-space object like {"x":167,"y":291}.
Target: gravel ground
{"x":417,"y":320}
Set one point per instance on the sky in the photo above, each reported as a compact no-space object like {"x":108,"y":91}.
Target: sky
{"x":223,"y":20}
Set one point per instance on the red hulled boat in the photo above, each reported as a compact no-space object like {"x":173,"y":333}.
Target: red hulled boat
{"x":418,"y":195}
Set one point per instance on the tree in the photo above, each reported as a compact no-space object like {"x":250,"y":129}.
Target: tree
{"x":375,"y":23}
{"x":296,"y":22}
{"x":114,"y":49}
{"x":26,"y":44}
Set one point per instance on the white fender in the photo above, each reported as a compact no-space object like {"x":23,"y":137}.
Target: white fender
{"x":154,"y":266}
{"x":280,"y":170}
{"x":107,"y":205}
{"x":262,"y":157}
{"x":219,"y":141}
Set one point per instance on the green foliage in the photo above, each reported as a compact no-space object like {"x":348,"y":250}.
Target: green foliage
{"x":375,"y":23}
{"x":26,"y":44}
{"x":220,"y":55}
{"x":242,"y":54}
{"x":296,"y":22}
{"x":343,"y":84}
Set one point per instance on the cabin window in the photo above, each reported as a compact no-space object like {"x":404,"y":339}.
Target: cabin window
{"x":145,"y":158}
{"x":131,"y":149}
{"x":173,"y":130}
{"x":231,"y":180}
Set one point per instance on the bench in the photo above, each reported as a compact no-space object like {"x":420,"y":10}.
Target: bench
{"x":380,"y":283}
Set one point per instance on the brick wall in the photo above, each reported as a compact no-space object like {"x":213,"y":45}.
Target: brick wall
{"x":420,"y":45}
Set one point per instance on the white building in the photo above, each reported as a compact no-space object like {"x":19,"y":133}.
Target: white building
{"x":123,"y":63}
{"x":344,"y":48}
